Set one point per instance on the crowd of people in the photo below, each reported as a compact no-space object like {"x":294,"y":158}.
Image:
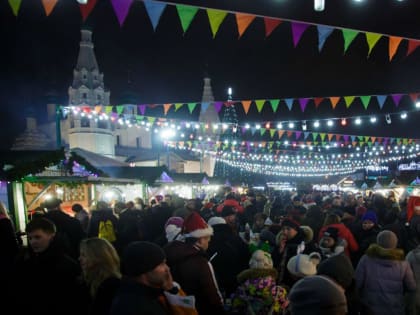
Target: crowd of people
{"x":286,"y":253}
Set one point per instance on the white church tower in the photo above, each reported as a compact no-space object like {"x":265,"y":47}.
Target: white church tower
{"x":210,"y":117}
{"x":88,"y":91}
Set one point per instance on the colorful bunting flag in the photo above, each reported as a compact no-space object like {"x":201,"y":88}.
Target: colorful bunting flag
{"x":394,"y":43}
{"x":397,"y":98}
{"x":303,"y":102}
{"x":15,"y":5}
{"x":186,"y":15}
{"x":289,"y":103}
{"x":259,"y":104}
{"x":372,"y":39}
{"x":121,"y":8}
{"x":191,"y":107}
{"x":218,"y":106}
{"x":274,"y":105}
{"x":349,"y":35}
{"x":349,"y":100}
{"x":243,"y":21}
{"x":323,"y":33}
{"x":381,"y":100}
{"x":297,"y":31}
{"x":317,"y":101}
{"x":49,"y":6}
{"x":154,"y":10}
{"x":334,"y":100}
{"x":365,"y":100}
{"x":216,"y":18}
{"x":270,"y":25}
{"x":166,"y":108}
{"x":246,"y":105}
{"x":412,"y":45}
{"x":86,"y":9}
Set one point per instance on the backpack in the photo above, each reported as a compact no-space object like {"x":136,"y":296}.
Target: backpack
{"x":107,"y":231}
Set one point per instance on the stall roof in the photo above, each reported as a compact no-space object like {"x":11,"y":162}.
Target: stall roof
{"x":147,"y":174}
{"x":97,"y":160}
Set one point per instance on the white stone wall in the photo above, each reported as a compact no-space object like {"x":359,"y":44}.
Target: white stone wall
{"x":98,"y":141}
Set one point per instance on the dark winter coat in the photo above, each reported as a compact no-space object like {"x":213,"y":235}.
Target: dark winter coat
{"x":364,"y":239}
{"x":133,"y":298}
{"x":101,"y":304}
{"x":232,"y":257}
{"x":382,"y":276}
{"x":97,"y":217}
{"x":192,"y":270}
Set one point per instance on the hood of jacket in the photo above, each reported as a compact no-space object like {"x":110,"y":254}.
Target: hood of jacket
{"x":178,"y":251}
{"x":376,"y":251}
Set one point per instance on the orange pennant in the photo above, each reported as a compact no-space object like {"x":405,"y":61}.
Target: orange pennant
{"x":334,"y":100}
{"x":246,"y":105}
{"x":394,"y":42}
{"x":49,"y":6}
{"x":166,"y":108}
{"x":243,"y":21}
{"x":280,"y":132}
{"x":330,"y":135}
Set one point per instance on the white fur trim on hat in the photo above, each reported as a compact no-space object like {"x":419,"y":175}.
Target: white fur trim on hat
{"x":302,"y":265}
{"x":261,"y":259}
{"x":200,"y":233}
{"x":172,"y":231}
{"x":216,"y":220}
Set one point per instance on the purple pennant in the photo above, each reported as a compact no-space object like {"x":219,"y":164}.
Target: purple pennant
{"x":397,"y":98}
{"x":346,"y":138}
{"x":248,"y":146}
{"x":297,"y":30}
{"x":297,"y":134}
{"x":303,"y":102}
{"x":218,"y":106}
{"x":142,"y":109}
{"x":121,"y":8}
{"x":243,"y":130}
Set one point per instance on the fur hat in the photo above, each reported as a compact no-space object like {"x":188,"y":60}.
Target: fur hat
{"x":172,"y":232}
{"x":216,"y":220}
{"x":303,"y":265}
{"x":195,"y":226}
{"x":261,"y":260}
{"x":141,"y":257}
{"x":387,"y":239}
{"x":370,"y":216}
{"x":317,"y":295}
{"x":308,"y":232}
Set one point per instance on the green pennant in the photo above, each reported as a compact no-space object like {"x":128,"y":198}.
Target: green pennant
{"x":360,"y":138}
{"x":260,"y":104}
{"x":120,"y":109}
{"x":365,"y":100}
{"x":405,"y":141}
{"x":349,"y":100}
{"x":178,"y":106}
{"x":322,"y":135}
{"x":372,"y":39}
{"x":369,"y":144}
{"x":186,"y":15}
{"x":349,"y":35}
{"x":367,"y":138}
{"x":191,"y":107}
{"x":262,"y":131}
{"x":151,"y":119}
{"x":314,"y":135}
{"x":272,"y":132}
{"x":15,"y":5}
{"x":108,"y":109}
{"x":274,"y":105}
{"x":216,"y":18}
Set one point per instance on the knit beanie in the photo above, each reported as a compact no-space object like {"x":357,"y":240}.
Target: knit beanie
{"x":371,"y":216}
{"x":387,"y":239}
{"x":261,"y":260}
{"x":317,"y":295}
{"x":140,"y":257}
{"x":291,"y":223}
{"x":302,"y":265}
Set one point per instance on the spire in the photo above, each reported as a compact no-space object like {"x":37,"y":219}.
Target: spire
{"x":88,"y":84}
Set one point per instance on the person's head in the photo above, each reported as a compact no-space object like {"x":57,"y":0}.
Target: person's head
{"x":329,"y":238}
{"x":332,"y":218}
{"x":41,"y":233}
{"x":197,"y":231}
{"x":173,"y":228}
{"x":119,"y":206}
{"x":387,"y":239}
{"x":260,"y":260}
{"x":168,"y":199}
{"x":98,"y":260}
{"x":259,"y":220}
{"x":52,"y":203}
{"x":369,"y":220}
{"x":193,"y":204}
{"x":146,"y":263}
{"x":337,"y":202}
{"x":3,"y":210}
{"x":77,"y":207}
{"x":303,"y":265}
{"x":229,"y":214}
{"x":289,"y":228}
{"x":317,"y":295}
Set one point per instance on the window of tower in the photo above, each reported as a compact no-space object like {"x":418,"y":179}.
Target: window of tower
{"x":138,"y":142}
{"x":103,"y":124}
{"x":118,"y":140}
{"x":85,"y":122}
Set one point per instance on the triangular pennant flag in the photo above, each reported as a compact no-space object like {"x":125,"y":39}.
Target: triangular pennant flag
{"x":289,"y":133}
{"x":166,"y":108}
{"x":186,"y":15}
{"x":154,"y":9}
{"x":121,"y":8}
{"x":151,"y":119}
{"x":142,"y":109}
{"x":297,"y":31}
{"x":397,"y":99}
{"x":414,"y":96}
{"x":15,"y":5}
{"x":120,"y":109}
{"x":349,"y":100}
{"x":289,"y":103}
{"x":322,"y":135}
{"x":218,"y":106}
{"x":272,"y":132}
{"x":216,"y":18}
{"x":412,"y":46}
{"x":243,"y":21}
{"x":49,"y":6}
{"x":334,"y":100}
{"x":204,"y":106}
{"x":191,"y":107}
{"x":280,"y":133}
{"x":178,"y":106}
{"x":259,"y":104}
{"x":86,"y":9}
{"x":365,"y":100}
{"x":262,"y":131}
{"x":330,"y":135}
{"x":303,"y":102}
{"x":306,"y":134}
{"x":246,"y":105}
{"x":314,"y":135}
{"x":274,"y":105}
{"x":270,"y":25}
{"x":317,"y":101}
{"x":346,"y":138}
{"x":108,"y":109}
{"x":298,"y":134}
{"x":349,"y":35}
{"x":323,"y":33}
{"x":381,"y":100}
{"x":372,"y":39}
{"x":394,"y":43}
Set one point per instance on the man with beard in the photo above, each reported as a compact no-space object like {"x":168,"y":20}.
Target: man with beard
{"x":146,"y":275}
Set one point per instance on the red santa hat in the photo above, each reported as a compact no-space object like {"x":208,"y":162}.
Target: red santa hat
{"x":195,"y":226}
{"x":413,"y":204}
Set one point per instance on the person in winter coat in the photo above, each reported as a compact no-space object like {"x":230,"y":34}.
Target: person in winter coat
{"x":383,"y":277}
{"x":191,"y":268}
{"x":413,"y":257}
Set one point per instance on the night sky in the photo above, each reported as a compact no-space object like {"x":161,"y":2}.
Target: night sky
{"x":39,"y":54}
